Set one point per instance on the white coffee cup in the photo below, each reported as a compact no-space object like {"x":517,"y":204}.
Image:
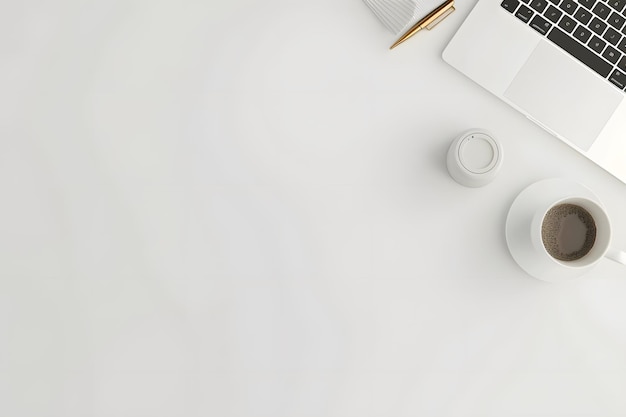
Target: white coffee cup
{"x":531,"y":235}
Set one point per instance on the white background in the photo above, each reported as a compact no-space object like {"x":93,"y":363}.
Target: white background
{"x":241,"y":208}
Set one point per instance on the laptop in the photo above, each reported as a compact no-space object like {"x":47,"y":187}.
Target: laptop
{"x":562,"y":63}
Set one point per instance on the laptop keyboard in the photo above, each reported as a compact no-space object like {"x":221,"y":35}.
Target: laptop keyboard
{"x":592,"y":31}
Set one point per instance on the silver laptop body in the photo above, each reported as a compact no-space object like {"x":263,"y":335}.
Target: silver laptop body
{"x":540,"y":63}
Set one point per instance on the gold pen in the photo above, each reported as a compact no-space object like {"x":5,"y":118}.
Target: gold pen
{"x":428,"y":22}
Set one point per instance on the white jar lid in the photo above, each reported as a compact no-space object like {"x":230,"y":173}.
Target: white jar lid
{"x":474,"y":158}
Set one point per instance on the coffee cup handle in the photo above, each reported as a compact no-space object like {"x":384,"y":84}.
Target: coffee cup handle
{"x":616,"y":255}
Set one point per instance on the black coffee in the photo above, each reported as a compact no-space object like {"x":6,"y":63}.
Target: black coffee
{"x":568,"y":232}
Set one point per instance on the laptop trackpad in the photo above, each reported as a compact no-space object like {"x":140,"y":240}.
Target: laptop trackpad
{"x":563,"y":95}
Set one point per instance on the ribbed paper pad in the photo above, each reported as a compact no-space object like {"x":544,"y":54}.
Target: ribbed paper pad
{"x":397,"y":15}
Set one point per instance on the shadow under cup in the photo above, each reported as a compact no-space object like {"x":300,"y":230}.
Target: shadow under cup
{"x":573,"y":232}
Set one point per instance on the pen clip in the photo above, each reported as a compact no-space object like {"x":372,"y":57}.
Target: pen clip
{"x":445,"y":14}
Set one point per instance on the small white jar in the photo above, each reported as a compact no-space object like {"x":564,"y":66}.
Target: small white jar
{"x":474,"y":158}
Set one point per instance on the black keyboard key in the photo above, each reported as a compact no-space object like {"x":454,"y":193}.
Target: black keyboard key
{"x":622,"y":64}
{"x":617,"y":4}
{"x":555,"y":2}
{"x":583,"y":15}
{"x":602,"y":10}
{"x":582,"y":34}
{"x":580,"y":52}
{"x":510,"y":5}
{"x":539,"y":5}
{"x":597,"y":44}
{"x":622,"y":45}
{"x":587,"y":3}
{"x":618,"y":78}
{"x":568,"y":6}
{"x":611,"y":54}
{"x":553,"y":14}
{"x":612,"y":36}
{"x":597,"y":25}
{"x":540,"y":24}
{"x":616,"y":20}
{"x":567,"y":24}
{"x":524,"y":14}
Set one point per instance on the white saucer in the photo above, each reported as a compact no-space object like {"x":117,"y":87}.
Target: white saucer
{"x":518,"y":223}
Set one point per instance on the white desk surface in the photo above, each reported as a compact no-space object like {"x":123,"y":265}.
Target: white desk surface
{"x":241,"y":208}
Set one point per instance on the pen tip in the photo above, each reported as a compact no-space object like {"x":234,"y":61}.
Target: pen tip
{"x":396,"y":43}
